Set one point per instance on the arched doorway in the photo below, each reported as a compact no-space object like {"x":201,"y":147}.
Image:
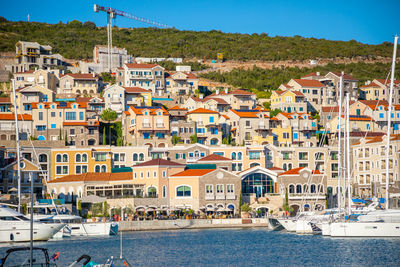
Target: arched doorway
{"x":259,"y":184}
{"x":294,"y":209}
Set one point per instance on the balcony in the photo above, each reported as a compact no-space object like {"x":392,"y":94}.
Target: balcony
{"x":209,"y":196}
{"x":220,"y":196}
{"x":160,"y":125}
{"x":230,"y":196}
{"x":145,"y":125}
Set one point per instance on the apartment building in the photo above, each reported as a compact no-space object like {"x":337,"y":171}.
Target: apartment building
{"x":119,"y":98}
{"x":205,"y":190}
{"x":5,"y":105}
{"x":369,"y":169}
{"x":360,"y":123}
{"x":208,"y":129}
{"x":187,"y":154}
{"x":146,"y":76}
{"x":378,"y":89}
{"x":79,"y":84}
{"x":46,"y":78}
{"x":7,"y":126}
{"x":128,"y":156}
{"x":312,"y":90}
{"x":33,"y":54}
{"x":289,"y":101}
{"x":32,"y":94}
{"x":75,"y":160}
{"x":181,"y":82}
{"x":350,"y":84}
{"x":238,"y":99}
{"x":211,"y":103}
{"x":146,"y":126}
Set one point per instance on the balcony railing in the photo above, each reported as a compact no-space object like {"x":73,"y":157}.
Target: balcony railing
{"x":160,"y":125}
{"x":146,"y":125}
{"x":209,"y":196}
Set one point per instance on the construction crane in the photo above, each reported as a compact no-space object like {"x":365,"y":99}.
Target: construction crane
{"x":112,"y":13}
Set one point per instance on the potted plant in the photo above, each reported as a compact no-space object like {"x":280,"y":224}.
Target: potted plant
{"x":245,"y":210}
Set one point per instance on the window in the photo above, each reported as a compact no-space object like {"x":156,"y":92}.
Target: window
{"x":84,"y":157}
{"x":135,"y":157}
{"x":220,"y":188}
{"x":239,"y":155}
{"x":164,"y":191}
{"x":209,"y":188}
{"x":254,"y":154}
{"x":247,"y":123}
{"x":81,"y":116}
{"x":40,"y":116}
{"x":65,"y":158}
{"x":62,"y":170}
{"x":71,"y":131}
{"x":303,"y":155}
{"x":78,"y":169}
{"x":183,"y":191}
{"x":141,"y":157}
{"x":53,"y":126}
{"x":233,"y":155}
{"x":58,"y":158}
{"x":41,"y":127}
{"x":100,"y":156}
{"x":97,"y":168}
{"x":230,"y":189}
{"x":69,"y":116}
{"x":211,"y":119}
{"x":78,"y":158}
{"x":164,"y":174}
{"x":103,"y":168}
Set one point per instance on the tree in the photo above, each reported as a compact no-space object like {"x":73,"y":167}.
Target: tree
{"x":245,"y":207}
{"x":285,"y":206}
{"x":60,"y":135}
{"x":109,"y":115}
{"x":66,"y":138}
{"x":274,"y":112}
{"x":193,"y":138}
{"x":104,"y":135}
{"x":175,"y":139}
{"x":79,"y":208}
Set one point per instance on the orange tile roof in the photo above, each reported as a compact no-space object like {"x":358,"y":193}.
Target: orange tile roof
{"x":153,"y":110}
{"x":374,"y":104}
{"x":68,"y":105}
{"x":136,"y":90}
{"x":140,"y":66}
{"x":297,"y":171}
{"x":233,"y":129}
{"x":274,"y":119}
{"x":94,"y":177}
{"x":369,"y":85}
{"x":330,"y":109}
{"x":345,"y":76}
{"x":82,"y":76}
{"x":382,"y":81}
{"x":310,"y":75}
{"x":11,"y":116}
{"x":245,"y":114}
{"x":308,"y":83}
{"x":275,"y":169}
{"x":226,"y":117}
{"x":202,"y":110}
{"x":177,"y":108}
{"x":218,"y":100}
{"x":359,"y":118}
{"x":159,"y":162}
{"x":214,"y":157}
{"x":25,"y":72}
{"x":5,"y":100}
{"x":378,"y":139}
{"x":189,"y":75}
{"x":86,"y":99}
{"x":193,"y":172}
{"x":240,"y":92}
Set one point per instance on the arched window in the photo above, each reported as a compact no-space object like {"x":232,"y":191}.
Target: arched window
{"x":97,"y":168}
{"x":84,"y":157}
{"x":103,"y":168}
{"x":196,"y":154}
{"x":290,"y":166}
{"x":284,"y":166}
{"x":183,"y":191}
{"x":152,"y":192}
{"x":305,"y":188}
{"x":291,"y":189}
{"x":313,"y":189}
{"x":42,"y":158}
{"x":299,"y":189}
{"x":239,"y":155}
{"x":58,"y":158}
{"x":141,"y":157}
{"x":164,"y":191}
{"x":233,"y":155}
{"x":135,"y":157}
{"x":258,"y":183}
{"x":254,"y":164}
{"x":320,"y":188}
{"x":78,"y":158}
{"x":65,"y":158}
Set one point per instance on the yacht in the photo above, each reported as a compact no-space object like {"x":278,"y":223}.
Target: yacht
{"x":15,"y":227}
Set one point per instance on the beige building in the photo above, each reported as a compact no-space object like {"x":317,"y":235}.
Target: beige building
{"x":79,"y":84}
{"x":46,"y":78}
{"x":146,"y":76}
{"x":181,"y":83}
{"x":289,"y":101}
{"x":208,"y":128}
{"x":7,"y":126}
{"x":32,"y":94}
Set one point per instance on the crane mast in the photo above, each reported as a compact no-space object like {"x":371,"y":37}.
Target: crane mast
{"x":113,"y":13}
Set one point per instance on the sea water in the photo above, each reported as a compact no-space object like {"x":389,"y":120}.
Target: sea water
{"x":227,"y":247}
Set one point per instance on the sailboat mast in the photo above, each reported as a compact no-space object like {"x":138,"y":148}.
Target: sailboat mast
{"x":389,"y":114}
{"x":348,"y":153}
{"x":18,"y":149}
{"x":339,"y":193}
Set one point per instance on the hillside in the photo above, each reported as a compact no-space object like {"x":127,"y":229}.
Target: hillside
{"x":76,"y":40}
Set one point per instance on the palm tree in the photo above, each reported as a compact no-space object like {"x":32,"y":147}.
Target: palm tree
{"x":109,"y":115}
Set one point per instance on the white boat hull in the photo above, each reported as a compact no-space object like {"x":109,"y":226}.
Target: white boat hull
{"x":288,"y":224}
{"x":303,"y":227}
{"x":325,"y":228}
{"x":20,"y":232}
{"x":93,"y":229}
{"x":365,"y":229}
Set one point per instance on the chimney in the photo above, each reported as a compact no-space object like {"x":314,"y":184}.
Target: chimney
{"x":368,"y":82}
{"x":217,"y":92}
{"x":201,"y":96}
{"x":318,"y":74}
{"x":226,"y":90}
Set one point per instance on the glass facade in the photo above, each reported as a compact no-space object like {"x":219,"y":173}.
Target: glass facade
{"x":258,"y":183}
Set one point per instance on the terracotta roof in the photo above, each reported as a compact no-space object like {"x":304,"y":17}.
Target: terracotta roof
{"x":359,"y":118}
{"x":81,"y":123}
{"x":140,"y":66}
{"x":5,"y":100}
{"x":153,"y":110}
{"x":275,"y":169}
{"x":370,"y":85}
{"x":189,"y":75}
{"x":274,"y":119}
{"x":218,"y":100}
{"x":135,"y":90}
{"x":378,"y":139}
{"x":345,"y":76}
{"x":246,"y":113}
{"x":280,"y":92}
{"x":202,"y":110}
{"x":214,"y":157}
{"x":94,"y":176}
{"x":177,"y":108}
{"x":193,"y":172}
{"x":82,"y":76}
{"x":310,"y":75}
{"x":11,"y":116}
{"x":226,"y":117}
{"x":240,"y":92}
{"x":68,"y":104}
{"x":233,"y":129}
{"x":158,"y":162}
{"x":308,"y":83}
{"x":330,"y":109}
{"x":25,"y":72}
{"x":382,"y":81}
{"x":297,"y":171}
{"x":374,"y":104}
{"x":86,"y":99}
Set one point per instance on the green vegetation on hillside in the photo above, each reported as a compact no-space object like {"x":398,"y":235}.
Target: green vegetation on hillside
{"x":76,"y":40}
{"x":262,"y":81}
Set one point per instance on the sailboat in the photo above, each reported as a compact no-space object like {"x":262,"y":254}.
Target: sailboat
{"x":378,"y":223}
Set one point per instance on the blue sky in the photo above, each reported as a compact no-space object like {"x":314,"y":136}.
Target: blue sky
{"x":367,"y":21}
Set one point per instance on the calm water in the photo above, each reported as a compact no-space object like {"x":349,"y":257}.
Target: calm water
{"x":229,"y":247}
